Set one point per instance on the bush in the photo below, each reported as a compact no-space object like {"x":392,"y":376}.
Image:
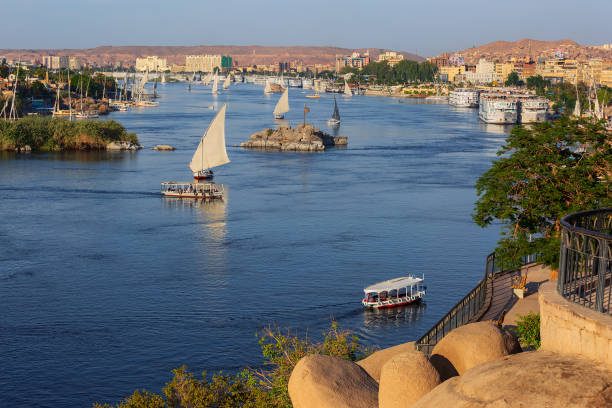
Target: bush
{"x":528,"y":330}
{"x":251,"y":388}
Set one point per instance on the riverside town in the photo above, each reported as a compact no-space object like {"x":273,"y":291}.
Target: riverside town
{"x":311,"y":221}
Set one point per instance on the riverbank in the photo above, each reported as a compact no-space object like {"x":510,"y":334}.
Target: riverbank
{"x":58,"y":134}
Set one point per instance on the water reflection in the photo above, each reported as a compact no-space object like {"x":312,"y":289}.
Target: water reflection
{"x":78,"y":156}
{"x":495,"y":129}
{"x":212,"y":214}
{"x":397,"y":316}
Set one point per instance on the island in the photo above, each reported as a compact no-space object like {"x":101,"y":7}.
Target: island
{"x":303,"y":138}
{"x":45,"y":133}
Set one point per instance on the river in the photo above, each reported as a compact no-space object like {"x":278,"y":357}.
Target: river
{"x":105,"y":286}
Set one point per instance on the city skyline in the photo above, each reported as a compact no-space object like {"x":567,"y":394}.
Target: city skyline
{"x":413,"y":28}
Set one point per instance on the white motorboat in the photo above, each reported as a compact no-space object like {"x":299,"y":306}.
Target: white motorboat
{"x":394,"y":292}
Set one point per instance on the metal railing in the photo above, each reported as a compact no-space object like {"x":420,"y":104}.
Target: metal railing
{"x":586,"y":258}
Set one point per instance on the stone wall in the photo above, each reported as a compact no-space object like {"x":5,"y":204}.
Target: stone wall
{"x":568,"y":328}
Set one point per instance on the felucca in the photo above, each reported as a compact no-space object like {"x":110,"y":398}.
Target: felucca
{"x":335,"y":118}
{"x":215,"y":86}
{"x":210,"y":153}
{"x":226,"y":83}
{"x":268,"y":88}
{"x":347,"y":89}
{"x":282,"y":106}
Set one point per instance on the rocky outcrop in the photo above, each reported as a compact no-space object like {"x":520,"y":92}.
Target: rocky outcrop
{"x":529,"y":379}
{"x":117,"y":146}
{"x":330,"y":382}
{"x":24,"y":149}
{"x":470,"y":345}
{"x":374,"y":363}
{"x":164,"y":148}
{"x":405,"y":378}
{"x":303,"y":138}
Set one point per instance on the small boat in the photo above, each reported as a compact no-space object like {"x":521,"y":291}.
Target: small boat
{"x":268,"y":88}
{"x":347,"y":89}
{"x":215,"y":86}
{"x":394,"y":292}
{"x":210,"y":153}
{"x":314,"y":96}
{"x":282,"y":106}
{"x":335,"y":118}
{"x":226,"y":83}
{"x":146,"y":104}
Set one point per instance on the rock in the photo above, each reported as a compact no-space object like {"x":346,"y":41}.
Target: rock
{"x":165,"y":148}
{"x":24,"y":149}
{"x":374,"y":362}
{"x":405,"y":378}
{"x":330,"y":382}
{"x":529,"y":379}
{"x":304,"y":138}
{"x":123,"y":146}
{"x":468,"y":346}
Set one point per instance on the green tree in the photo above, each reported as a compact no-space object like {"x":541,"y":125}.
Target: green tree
{"x":513,"y":80}
{"x":543,"y":174}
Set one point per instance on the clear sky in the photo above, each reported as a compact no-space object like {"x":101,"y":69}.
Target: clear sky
{"x":427,"y":26}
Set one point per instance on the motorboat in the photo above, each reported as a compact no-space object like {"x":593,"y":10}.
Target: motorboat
{"x":394,"y":292}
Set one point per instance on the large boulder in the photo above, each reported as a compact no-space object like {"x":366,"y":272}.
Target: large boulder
{"x":405,"y":378}
{"x":470,"y":345}
{"x":529,"y":379}
{"x":330,"y":382}
{"x":164,"y":148}
{"x":374,"y":362}
{"x":116,"y":146}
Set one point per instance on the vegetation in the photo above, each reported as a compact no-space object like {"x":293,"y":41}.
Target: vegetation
{"x":513,"y":80}
{"x":544,"y":173}
{"x":53,"y":134}
{"x":564,"y":94}
{"x":528,"y":330}
{"x":405,"y":71}
{"x":251,"y":388}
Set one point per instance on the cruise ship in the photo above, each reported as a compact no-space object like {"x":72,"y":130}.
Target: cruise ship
{"x":533,"y":109}
{"x":464,"y":97}
{"x":307,"y":83}
{"x":295,"y":82}
{"x":498,"y":109}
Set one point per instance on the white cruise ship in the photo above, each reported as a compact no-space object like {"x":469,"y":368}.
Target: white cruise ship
{"x":533,"y":109}
{"x":295,"y":82}
{"x":498,"y":109}
{"x":464,"y":97}
{"x":307,"y":83}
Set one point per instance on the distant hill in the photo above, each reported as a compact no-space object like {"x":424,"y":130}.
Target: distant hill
{"x":504,"y":50}
{"x":243,"y":55}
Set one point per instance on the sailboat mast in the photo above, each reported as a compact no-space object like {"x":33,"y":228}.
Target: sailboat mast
{"x":69,"y":97}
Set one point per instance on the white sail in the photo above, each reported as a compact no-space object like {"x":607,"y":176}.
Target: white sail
{"x":163,"y":79}
{"x":211,"y":150}
{"x":268,"y":88}
{"x":282,"y":106}
{"x":597,"y":109}
{"x":215,"y":87}
{"x":226,"y":83}
{"x":577,"y":106}
{"x":347,"y":89}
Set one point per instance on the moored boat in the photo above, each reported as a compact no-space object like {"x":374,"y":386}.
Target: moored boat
{"x":394,"y":292}
{"x":464,"y":98}
{"x":335,"y":118}
{"x":282,"y":106}
{"x":200,"y":190}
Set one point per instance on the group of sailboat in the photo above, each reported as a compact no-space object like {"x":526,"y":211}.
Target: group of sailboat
{"x":282,"y":107}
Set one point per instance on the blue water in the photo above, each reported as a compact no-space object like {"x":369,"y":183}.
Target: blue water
{"x":105,"y":286}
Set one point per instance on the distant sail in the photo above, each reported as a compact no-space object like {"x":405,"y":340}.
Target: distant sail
{"x":336,"y":114}
{"x":268,"y":88}
{"x":282,"y":105}
{"x":211,"y":151}
{"x":347,"y":89}
{"x":226,"y":83}
{"x":215,"y":87}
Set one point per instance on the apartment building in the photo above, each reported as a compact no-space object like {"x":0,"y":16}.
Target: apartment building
{"x":56,"y":61}
{"x":207,"y":63}
{"x":392,"y":58}
{"x":151,"y":63}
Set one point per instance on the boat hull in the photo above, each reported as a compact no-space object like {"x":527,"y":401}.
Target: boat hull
{"x":279,"y":116}
{"x":390,"y":303}
{"x":209,"y":196}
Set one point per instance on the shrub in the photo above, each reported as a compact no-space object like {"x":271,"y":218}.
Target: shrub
{"x":528,"y":330}
{"x":251,"y":388}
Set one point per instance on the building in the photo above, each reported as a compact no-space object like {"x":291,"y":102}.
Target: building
{"x":207,"y":63}
{"x":485,"y":67}
{"x":477,"y":77}
{"x":151,"y":63}
{"x":450,"y":72}
{"x":75,"y":63}
{"x":606,"y":74}
{"x":392,"y":58}
{"x":502,"y":70}
{"x":354,"y":60}
{"x":56,"y":61}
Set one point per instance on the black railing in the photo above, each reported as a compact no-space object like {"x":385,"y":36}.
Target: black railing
{"x":469,"y":309}
{"x":586,"y":258}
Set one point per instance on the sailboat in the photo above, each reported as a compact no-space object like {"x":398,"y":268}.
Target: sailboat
{"x":282,"y":106}
{"x":577,"y":106}
{"x":227,"y":81}
{"x":215,"y":86}
{"x":268,"y":88}
{"x":347,"y":89}
{"x":335,"y":118}
{"x":163,"y":78}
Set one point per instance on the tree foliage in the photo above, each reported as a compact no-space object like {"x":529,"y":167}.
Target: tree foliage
{"x":544,"y":173}
{"x":513,"y":80}
{"x":251,"y":388}
{"x":403,"y":72}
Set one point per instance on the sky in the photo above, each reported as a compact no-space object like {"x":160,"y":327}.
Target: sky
{"x":426,"y":27}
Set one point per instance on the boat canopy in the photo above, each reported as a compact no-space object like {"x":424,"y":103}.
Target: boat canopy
{"x":392,"y":284}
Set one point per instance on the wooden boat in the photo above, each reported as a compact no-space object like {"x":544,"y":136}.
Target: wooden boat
{"x":210,"y":153}
{"x":314,"y":96}
{"x":394,"y":292}
{"x":226,"y":83}
{"x":335,"y":118}
{"x":347,"y":89}
{"x":282,"y":106}
{"x":215,"y":86}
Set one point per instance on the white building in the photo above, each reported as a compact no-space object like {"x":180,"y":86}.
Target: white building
{"x":75,"y":63}
{"x":151,"y":63}
{"x":203,"y":63}
{"x":56,"y":61}
{"x":478,"y":77}
{"x":485,"y":67}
